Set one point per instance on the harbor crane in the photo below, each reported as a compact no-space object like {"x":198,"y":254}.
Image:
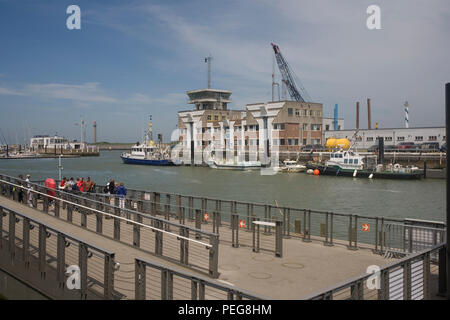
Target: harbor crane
{"x":297,"y":93}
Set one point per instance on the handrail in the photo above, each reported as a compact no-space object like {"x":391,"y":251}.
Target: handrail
{"x":213,"y":283}
{"x":349,"y":282}
{"x":56,"y":230}
{"x":112,"y":215}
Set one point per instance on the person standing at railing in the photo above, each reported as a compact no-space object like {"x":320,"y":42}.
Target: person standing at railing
{"x":50,"y":184}
{"x":62,"y":185}
{"x":29,"y":195}
{"x":112,"y":187}
{"x":121,"y":192}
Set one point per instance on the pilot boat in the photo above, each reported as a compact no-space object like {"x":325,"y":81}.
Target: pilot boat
{"x":148,"y":153}
{"x":351,"y":164}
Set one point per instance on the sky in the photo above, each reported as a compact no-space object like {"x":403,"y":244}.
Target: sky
{"x":132,"y":59}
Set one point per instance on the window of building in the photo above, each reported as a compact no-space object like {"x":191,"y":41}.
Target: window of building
{"x":209,"y":118}
{"x":304,"y":142}
{"x":278,"y":126}
{"x":369,"y":139}
{"x":311,"y":112}
{"x":275,"y":142}
{"x":281,"y":142}
{"x":296,"y":142}
{"x":432,"y":138}
{"x":419,"y":138}
{"x":305,"y":127}
{"x":327,"y":127}
{"x":297,"y":112}
{"x":216,"y":118}
{"x":400,"y":138}
{"x":289,"y":111}
{"x":388,"y":138}
{"x":356,"y":161}
{"x":345,"y":160}
{"x":350,"y":161}
{"x":319,"y":113}
{"x":304,"y":112}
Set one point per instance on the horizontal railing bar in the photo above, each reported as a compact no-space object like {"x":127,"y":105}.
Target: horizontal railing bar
{"x":212,"y":283}
{"x":115,"y":216}
{"x":55,"y":230}
{"x":395,"y":264}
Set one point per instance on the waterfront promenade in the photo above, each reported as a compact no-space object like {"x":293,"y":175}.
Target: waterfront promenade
{"x":305,"y":267}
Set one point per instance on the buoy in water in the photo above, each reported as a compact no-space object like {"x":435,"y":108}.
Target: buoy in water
{"x":371,"y":176}
{"x":316,"y":172}
{"x":309,"y":171}
{"x":355,"y":172}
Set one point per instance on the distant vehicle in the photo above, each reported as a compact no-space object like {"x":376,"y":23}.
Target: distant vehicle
{"x":307,"y":148}
{"x":373,"y":148}
{"x":406,"y":146}
{"x":443,"y":148}
{"x":430,"y":146}
{"x":390,"y":148}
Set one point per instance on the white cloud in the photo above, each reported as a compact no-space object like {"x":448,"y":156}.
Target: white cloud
{"x":87,"y":92}
{"x":9,"y":91}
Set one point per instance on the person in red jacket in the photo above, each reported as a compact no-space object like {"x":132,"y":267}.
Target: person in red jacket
{"x":80,"y":185}
{"x":50,"y":184}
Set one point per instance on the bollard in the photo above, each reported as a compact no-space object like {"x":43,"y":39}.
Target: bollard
{"x":279,"y":238}
{"x":235,"y":230}
{"x":255,"y":235}
{"x":214,"y":256}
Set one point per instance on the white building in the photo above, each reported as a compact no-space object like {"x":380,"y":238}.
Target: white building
{"x":392,"y":136}
{"x":49,"y":142}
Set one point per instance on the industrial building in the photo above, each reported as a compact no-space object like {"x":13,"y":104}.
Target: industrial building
{"x":366,"y":138}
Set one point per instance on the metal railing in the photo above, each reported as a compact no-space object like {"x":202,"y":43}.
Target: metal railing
{"x":354,"y":231}
{"x":40,"y":254}
{"x":407,"y":279}
{"x":159,"y":282}
{"x":170,"y":240}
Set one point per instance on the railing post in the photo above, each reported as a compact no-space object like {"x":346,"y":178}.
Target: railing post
{"x":383,"y":292}
{"x":12,"y":235}
{"x":60,"y":259}
{"x":279,"y":238}
{"x":46,"y":204}
{"x":139,"y":279}
{"x":184,"y":246}
{"x":164,"y":273}
{"x":178,"y":207}
{"x":194,"y":286}
{"x":2,"y":214}
{"x":198,"y":222}
{"x":191,"y":208}
{"x":42,"y":249}
{"x":255,"y":236}
{"x":407,"y":280}
{"x":99,"y":222}
{"x":307,"y":226}
{"x":137,"y":230}
{"x":214,"y":256}
{"x":69,"y":212}
{"x":82,"y":263}
{"x":216,"y":222}
{"x":167,"y":211}
{"x":426,"y":276}
{"x":442,"y":272}
{"x":26,"y":240}
{"x":234,"y":230}
{"x":57,"y":203}
{"x":108,"y":276}
{"x":158,"y":238}
{"x":116,"y":229}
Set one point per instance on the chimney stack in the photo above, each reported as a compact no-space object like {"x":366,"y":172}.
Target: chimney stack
{"x":357,"y":115}
{"x":369,"y":126}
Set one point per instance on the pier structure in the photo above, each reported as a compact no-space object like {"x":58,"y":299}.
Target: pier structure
{"x":154,"y":249}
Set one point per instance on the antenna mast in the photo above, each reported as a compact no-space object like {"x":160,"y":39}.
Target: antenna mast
{"x":208,"y":61}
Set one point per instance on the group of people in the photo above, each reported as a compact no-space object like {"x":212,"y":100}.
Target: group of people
{"x":79,"y":185}
{"x":113,"y":187}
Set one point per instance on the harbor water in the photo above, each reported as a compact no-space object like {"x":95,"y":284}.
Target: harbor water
{"x":420,"y":199}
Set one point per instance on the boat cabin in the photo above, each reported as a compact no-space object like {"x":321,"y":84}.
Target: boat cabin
{"x":346,"y":159}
